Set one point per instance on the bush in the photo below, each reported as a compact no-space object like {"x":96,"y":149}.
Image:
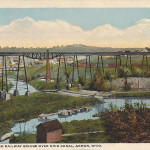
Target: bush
{"x":132,"y":94}
{"x":124,"y":72}
{"x":148,"y":73}
{"x":129,"y":125}
{"x":108,"y":75}
{"x":105,"y":87}
{"x":98,"y":83}
{"x":81,"y":81}
{"x":137,"y":72}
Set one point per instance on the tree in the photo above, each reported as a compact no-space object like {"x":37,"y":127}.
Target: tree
{"x":67,"y":73}
{"x":109,"y":76}
{"x":124,"y":72}
{"x":81,"y":80}
{"x":97,"y":82}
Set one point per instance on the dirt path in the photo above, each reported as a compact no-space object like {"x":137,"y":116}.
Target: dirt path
{"x":81,"y":93}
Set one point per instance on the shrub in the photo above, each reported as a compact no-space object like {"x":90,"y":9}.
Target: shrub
{"x":81,"y":81}
{"x":129,"y":125}
{"x":98,"y":83}
{"x":148,"y":73}
{"x":124,"y":72}
{"x":137,"y":72}
{"x":105,"y":87}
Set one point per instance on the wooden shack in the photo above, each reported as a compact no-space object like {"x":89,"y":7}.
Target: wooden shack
{"x":49,"y":132}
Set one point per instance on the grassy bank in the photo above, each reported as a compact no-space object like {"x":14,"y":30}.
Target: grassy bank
{"x":82,"y":126}
{"x":25,"y":108}
{"x":85,"y":138}
{"x":131,"y":94}
{"x":23,"y":138}
{"x":72,"y":127}
{"x":42,"y":85}
{"x":80,"y":138}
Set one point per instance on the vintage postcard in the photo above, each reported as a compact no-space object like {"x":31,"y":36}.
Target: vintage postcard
{"x":74,"y":74}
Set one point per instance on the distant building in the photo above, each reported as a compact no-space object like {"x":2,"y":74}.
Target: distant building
{"x":49,"y":132}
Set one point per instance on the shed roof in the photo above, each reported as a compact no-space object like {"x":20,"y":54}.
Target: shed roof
{"x":51,"y":125}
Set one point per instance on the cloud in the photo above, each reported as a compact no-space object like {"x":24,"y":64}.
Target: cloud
{"x":26,"y":32}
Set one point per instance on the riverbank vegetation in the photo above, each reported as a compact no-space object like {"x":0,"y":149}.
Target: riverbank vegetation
{"x":81,"y":126}
{"x":85,"y":138}
{"x":131,"y":94}
{"x":23,"y":138}
{"x":77,"y":138}
{"x":23,"y":108}
{"x":127,"y":125}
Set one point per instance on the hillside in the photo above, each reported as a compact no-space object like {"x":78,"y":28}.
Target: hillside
{"x":68,"y":48}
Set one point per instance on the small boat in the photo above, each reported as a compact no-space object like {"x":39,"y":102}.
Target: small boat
{"x":6,"y":136}
{"x":83,"y":109}
{"x":43,"y":116}
{"x":87,"y":108}
{"x":65,"y":112}
{"x":75,"y":111}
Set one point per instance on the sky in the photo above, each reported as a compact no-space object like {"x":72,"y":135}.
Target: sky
{"x":47,"y":27}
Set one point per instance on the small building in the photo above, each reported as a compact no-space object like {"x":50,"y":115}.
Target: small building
{"x":49,"y":132}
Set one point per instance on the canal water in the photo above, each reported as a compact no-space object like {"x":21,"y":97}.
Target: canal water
{"x":22,"y":87}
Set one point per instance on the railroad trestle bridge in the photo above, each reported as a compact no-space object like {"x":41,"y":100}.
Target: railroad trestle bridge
{"x":48,"y":55}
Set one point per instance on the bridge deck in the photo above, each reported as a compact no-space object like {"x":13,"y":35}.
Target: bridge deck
{"x":38,"y":55}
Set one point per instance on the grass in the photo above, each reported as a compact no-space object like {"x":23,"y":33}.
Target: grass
{"x":42,"y":85}
{"x":132,"y":94}
{"x":85,"y":138}
{"x":82,"y":126}
{"x":23,"y":138}
{"x":80,"y":138}
{"x":25,"y":108}
{"x":72,"y":127}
